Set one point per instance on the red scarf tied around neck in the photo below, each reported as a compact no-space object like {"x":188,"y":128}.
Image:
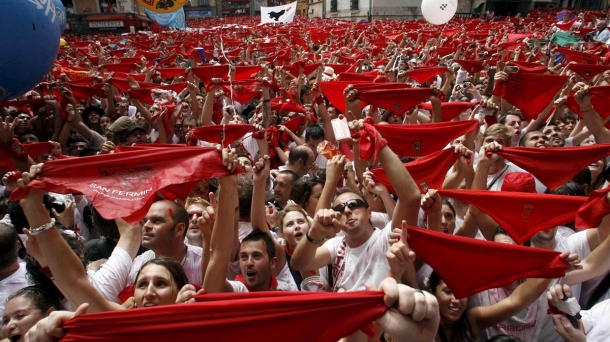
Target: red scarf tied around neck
{"x":304,"y":317}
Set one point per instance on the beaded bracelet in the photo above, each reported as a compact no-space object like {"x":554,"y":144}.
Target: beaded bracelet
{"x":46,"y":226}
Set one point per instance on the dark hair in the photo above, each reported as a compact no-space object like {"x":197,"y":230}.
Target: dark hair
{"x":8,"y":245}
{"x":346,"y":189}
{"x":302,"y":188}
{"x":502,"y":118}
{"x":293,"y":175}
{"x":504,"y":338}
{"x":180,"y":216}
{"x":304,"y":88}
{"x":314,"y":131}
{"x":93,"y":218}
{"x":570,"y":188}
{"x":42,"y":299}
{"x":172,"y":266}
{"x":191,"y":118}
{"x":461,"y":329}
{"x":499,"y":231}
{"x":245,"y":187}
{"x":448,"y":203}
{"x":257,"y":235}
{"x":299,"y":152}
{"x":89,"y":151}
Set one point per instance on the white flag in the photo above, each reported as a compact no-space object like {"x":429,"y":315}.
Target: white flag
{"x":278,"y":14}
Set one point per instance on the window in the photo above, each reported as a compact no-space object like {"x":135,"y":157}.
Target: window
{"x":354,"y":4}
{"x":333,"y":5}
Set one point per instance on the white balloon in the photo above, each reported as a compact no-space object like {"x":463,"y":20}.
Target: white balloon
{"x":438,"y":12}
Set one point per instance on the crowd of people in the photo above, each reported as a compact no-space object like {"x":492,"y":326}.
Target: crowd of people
{"x":461,"y":170}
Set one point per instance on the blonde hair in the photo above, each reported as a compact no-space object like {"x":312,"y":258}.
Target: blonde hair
{"x":196,"y":200}
{"x":290,"y":208}
{"x":498,"y":129}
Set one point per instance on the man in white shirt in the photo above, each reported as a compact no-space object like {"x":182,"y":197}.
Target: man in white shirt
{"x":12,"y":274}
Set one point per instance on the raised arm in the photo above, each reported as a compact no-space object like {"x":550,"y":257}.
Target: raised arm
{"x":49,"y":248}
{"x":594,"y":122}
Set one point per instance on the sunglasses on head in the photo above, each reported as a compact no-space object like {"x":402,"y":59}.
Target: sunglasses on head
{"x":351,"y":204}
{"x":199,"y":213}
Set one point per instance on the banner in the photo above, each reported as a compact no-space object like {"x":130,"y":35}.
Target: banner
{"x":175,"y":20}
{"x":163,"y":6}
{"x":278,"y":14}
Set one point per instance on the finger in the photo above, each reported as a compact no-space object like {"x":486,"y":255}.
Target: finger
{"x":212,"y":200}
{"x":403,"y":232}
{"x":82,"y":310}
{"x":419,"y":306}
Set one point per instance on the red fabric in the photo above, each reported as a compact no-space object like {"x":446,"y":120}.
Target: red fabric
{"x":531,"y":93}
{"x":293,"y":125}
{"x":600,"y":100}
{"x":421,"y":75}
{"x":396,"y":100}
{"x":530,"y":67}
{"x":588,"y":71}
{"x":286,"y":105}
{"x":307,"y":68}
{"x":565,"y":26}
{"x":554,"y":166}
{"x":34,"y":150}
{"x":590,"y":215}
{"x":125,"y":184}
{"x":170,"y":72}
{"x":424,"y":139}
{"x":450,"y":110}
{"x":123,"y":67}
{"x":354,"y":77}
{"x":370,"y":144}
{"x":471,"y":67}
{"x":333,"y":91}
{"x":234,"y":317}
{"x":428,"y":172}
{"x":578,"y":57}
{"x":214,"y":134}
{"x":519,"y":182}
{"x":469,"y":266}
{"x":521,"y":214}
{"x":19,"y":103}
{"x":206,"y":73}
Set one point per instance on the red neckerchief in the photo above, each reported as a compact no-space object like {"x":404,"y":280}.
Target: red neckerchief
{"x":272,"y":286}
{"x":288,"y":251}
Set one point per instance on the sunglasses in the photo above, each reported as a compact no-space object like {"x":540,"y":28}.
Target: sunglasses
{"x":351,"y":204}
{"x":199,"y":213}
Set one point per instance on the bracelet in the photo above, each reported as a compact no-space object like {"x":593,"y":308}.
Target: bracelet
{"x":588,"y":110}
{"x":46,"y":226}
{"x":317,"y":242}
{"x":267,"y":100}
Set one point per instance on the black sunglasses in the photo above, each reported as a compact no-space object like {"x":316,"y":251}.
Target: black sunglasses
{"x":199,"y":213}
{"x":351,"y":204}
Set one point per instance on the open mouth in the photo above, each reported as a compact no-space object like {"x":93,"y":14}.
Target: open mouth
{"x":454,"y":309}
{"x":250,"y":274}
{"x":147,"y":305}
{"x":298,"y":235}
{"x":351,"y":221}
{"x":15,"y":338}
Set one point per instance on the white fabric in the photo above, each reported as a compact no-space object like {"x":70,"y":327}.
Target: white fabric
{"x":380,"y":220}
{"x":278,"y":14}
{"x":110,"y":279}
{"x":191,"y":264}
{"x":12,"y":284}
{"x":366,"y":263}
{"x":597,"y":322}
{"x":510,"y":167}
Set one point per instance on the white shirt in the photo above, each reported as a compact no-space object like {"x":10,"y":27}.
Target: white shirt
{"x":12,"y":284}
{"x":353,"y":267}
{"x":597,"y":322}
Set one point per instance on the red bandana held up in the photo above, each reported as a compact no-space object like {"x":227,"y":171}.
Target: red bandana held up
{"x":523,"y":90}
{"x":333,"y":91}
{"x":35,"y":150}
{"x":469,"y":266}
{"x":216,"y":133}
{"x":206,"y":73}
{"x":449,"y":110}
{"x":423,"y":74}
{"x":234,"y":316}
{"x":471,"y":67}
{"x":396,"y":100}
{"x":521,"y":214}
{"x":428,"y":172}
{"x":588,"y":71}
{"x":370,"y":144}
{"x":578,"y":57}
{"x":590,"y":215}
{"x":272,"y":284}
{"x":125,"y":184}
{"x":424,"y":139}
{"x":554,"y":166}
{"x":600,"y":100}
{"x":170,"y":72}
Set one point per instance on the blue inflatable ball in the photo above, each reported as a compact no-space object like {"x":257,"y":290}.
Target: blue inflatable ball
{"x":29,"y":37}
{"x":60,"y":14}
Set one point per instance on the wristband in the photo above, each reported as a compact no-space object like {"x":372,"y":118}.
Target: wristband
{"x":267,"y":100}
{"x":587,"y":110}
{"x":46,"y":226}
{"x":317,"y":242}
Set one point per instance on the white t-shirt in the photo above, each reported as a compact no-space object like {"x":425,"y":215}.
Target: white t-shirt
{"x":353,"y":267}
{"x":12,"y":284}
{"x":578,"y":244}
{"x":597,"y":322}
{"x":495,"y":180}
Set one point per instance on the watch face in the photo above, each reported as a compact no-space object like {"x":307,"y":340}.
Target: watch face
{"x":16,"y":148}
